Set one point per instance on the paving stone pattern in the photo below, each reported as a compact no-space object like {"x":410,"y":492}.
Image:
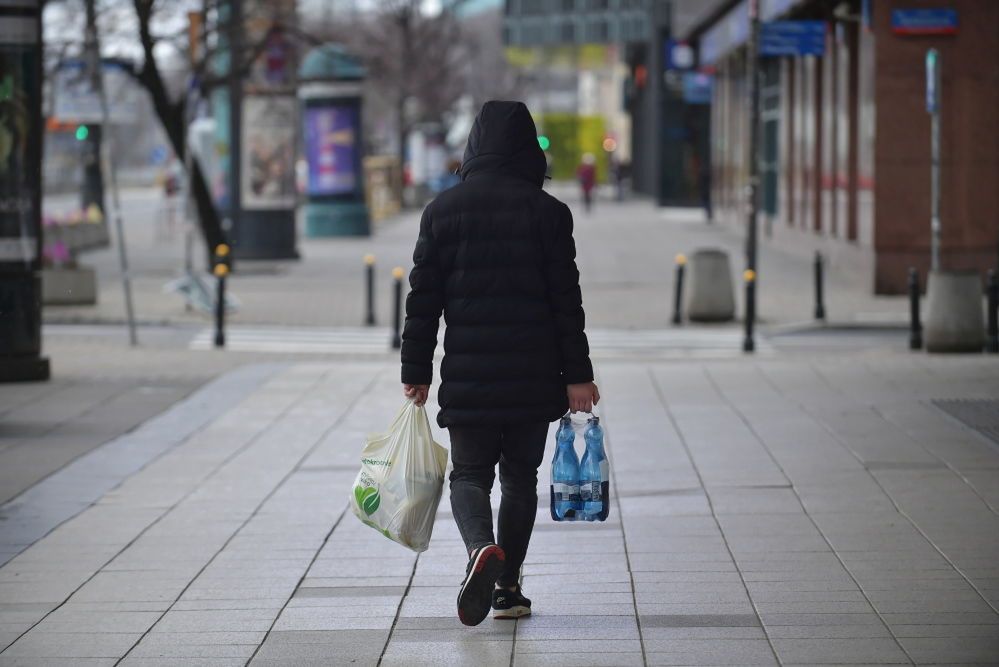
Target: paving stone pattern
{"x":625,"y":256}
{"x":767,"y":512}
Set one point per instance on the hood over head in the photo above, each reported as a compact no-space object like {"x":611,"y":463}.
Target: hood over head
{"x":505,"y":139}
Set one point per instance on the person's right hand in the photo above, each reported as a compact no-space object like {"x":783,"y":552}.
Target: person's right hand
{"x":417,"y":392}
{"x":582,"y":397}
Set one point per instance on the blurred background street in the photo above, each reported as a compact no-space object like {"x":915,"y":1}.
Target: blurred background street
{"x":789,"y":278}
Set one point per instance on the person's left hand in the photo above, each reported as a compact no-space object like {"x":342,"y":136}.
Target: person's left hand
{"x":418,"y":393}
{"x":582,"y":397}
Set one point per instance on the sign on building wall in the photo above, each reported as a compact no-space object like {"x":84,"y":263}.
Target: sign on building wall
{"x":75,"y":99}
{"x":924,"y":21}
{"x":697,"y":87}
{"x":679,"y":55}
{"x":793,"y":38}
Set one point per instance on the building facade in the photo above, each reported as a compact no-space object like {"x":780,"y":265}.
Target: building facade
{"x":551,"y":22}
{"x":845,"y":135}
{"x":570,"y":55}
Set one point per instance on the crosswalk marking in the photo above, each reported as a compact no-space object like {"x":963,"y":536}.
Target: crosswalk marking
{"x":687,"y":342}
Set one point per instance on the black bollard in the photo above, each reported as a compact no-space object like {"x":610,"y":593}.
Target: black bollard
{"x":915,"y":326}
{"x":221,"y":270}
{"x":749,"y":344}
{"x":369,"y":262}
{"x":820,"y":306}
{"x":397,"y":273}
{"x":992,"y":338}
{"x":681,"y":263}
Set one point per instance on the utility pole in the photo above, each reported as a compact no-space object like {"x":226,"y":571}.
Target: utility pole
{"x":405,"y":49}
{"x":94,"y":65}
{"x":749,"y":344}
{"x":234,"y":35}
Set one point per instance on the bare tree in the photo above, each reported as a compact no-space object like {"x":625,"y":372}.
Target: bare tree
{"x":485,"y":73}
{"x":413,"y":59}
{"x":164,"y":64}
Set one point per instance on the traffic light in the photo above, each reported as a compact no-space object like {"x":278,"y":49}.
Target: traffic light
{"x":544,"y":142}
{"x":82,"y":132}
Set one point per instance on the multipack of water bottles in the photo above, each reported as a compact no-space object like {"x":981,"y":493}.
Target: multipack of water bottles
{"x":580,"y":489}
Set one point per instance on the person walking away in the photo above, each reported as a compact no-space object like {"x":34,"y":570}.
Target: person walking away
{"x":495,"y":255}
{"x":587,"y":175}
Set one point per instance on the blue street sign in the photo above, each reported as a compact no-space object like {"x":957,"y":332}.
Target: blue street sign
{"x":679,"y":55}
{"x":697,"y":87}
{"x":793,"y":38}
{"x":924,"y":21}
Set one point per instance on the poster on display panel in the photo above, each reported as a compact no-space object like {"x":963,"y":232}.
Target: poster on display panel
{"x":268,"y":155}
{"x":331,"y":149}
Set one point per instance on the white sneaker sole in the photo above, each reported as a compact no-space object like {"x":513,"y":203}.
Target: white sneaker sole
{"x":512,"y":612}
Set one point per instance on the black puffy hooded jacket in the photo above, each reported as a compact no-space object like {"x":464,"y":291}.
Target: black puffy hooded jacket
{"x":496,"y":255}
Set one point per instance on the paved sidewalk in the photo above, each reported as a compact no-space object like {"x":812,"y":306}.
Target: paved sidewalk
{"x":625,"y":254}
{"x":767,"y":511}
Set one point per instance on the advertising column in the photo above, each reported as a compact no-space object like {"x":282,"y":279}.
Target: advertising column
{"x":261,"y":129}
{"x":20,"y":192}
{"x":331,"y":118}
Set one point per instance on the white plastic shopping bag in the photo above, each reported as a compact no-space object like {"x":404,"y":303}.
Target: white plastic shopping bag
{"x":401,"y":480}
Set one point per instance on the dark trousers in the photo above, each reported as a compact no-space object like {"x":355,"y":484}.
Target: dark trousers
{"x":474,"y":455}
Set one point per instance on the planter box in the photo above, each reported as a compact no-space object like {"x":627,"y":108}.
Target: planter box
{"x":69,"y":287}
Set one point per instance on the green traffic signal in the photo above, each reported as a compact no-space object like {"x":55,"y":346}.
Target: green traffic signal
{"x":544,"y":142}
{"x":82,"y":132}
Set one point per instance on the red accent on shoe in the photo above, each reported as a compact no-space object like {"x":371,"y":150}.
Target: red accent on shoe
{"x":483,"y":556}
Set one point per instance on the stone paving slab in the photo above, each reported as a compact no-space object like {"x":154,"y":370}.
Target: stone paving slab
{"x":625,"y":257}
{"x":233,"y":546}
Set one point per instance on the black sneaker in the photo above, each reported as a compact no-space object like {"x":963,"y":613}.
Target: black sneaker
{"x":510,"y":604}
{"x":484,"y":568}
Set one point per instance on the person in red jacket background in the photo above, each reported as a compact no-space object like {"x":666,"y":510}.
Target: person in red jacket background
{"x":587,"y":175}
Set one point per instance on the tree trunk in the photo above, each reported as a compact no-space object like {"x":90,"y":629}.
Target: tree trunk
{"x":171,"y":116}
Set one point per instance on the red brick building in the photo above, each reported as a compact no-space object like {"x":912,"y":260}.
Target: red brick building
{"x":846,"y":135}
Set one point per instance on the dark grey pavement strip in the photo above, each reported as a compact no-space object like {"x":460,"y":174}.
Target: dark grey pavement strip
{"x":979,"y":415}
{"x":67,"y":492}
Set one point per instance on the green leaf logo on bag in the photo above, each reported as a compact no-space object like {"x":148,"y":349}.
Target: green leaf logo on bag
{"x":367,"y":499}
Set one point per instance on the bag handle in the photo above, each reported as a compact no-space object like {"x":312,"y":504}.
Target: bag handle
{"x":570,"y":413}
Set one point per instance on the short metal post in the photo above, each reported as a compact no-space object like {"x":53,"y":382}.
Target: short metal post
{"x":992,"y":338}
{"x":820,"y":306}
{"x":915,"y":326}
{"x":397,"y":273}
{"x":221,"y":270}
{"x":749,"y":344}
{"x":681,"y":263}
{"x":369,"y":262}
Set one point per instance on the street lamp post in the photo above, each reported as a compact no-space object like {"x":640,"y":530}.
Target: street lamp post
{"x":933,"y":107}
{"x":749,"y":344}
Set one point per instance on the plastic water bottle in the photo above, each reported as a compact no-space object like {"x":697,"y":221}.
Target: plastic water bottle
{"x":594,"y":474}
{"x":566,"y":504}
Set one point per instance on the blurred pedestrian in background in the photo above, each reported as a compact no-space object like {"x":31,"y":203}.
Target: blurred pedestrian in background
{"x":587,"y":176}
{"x":172,"y":179}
